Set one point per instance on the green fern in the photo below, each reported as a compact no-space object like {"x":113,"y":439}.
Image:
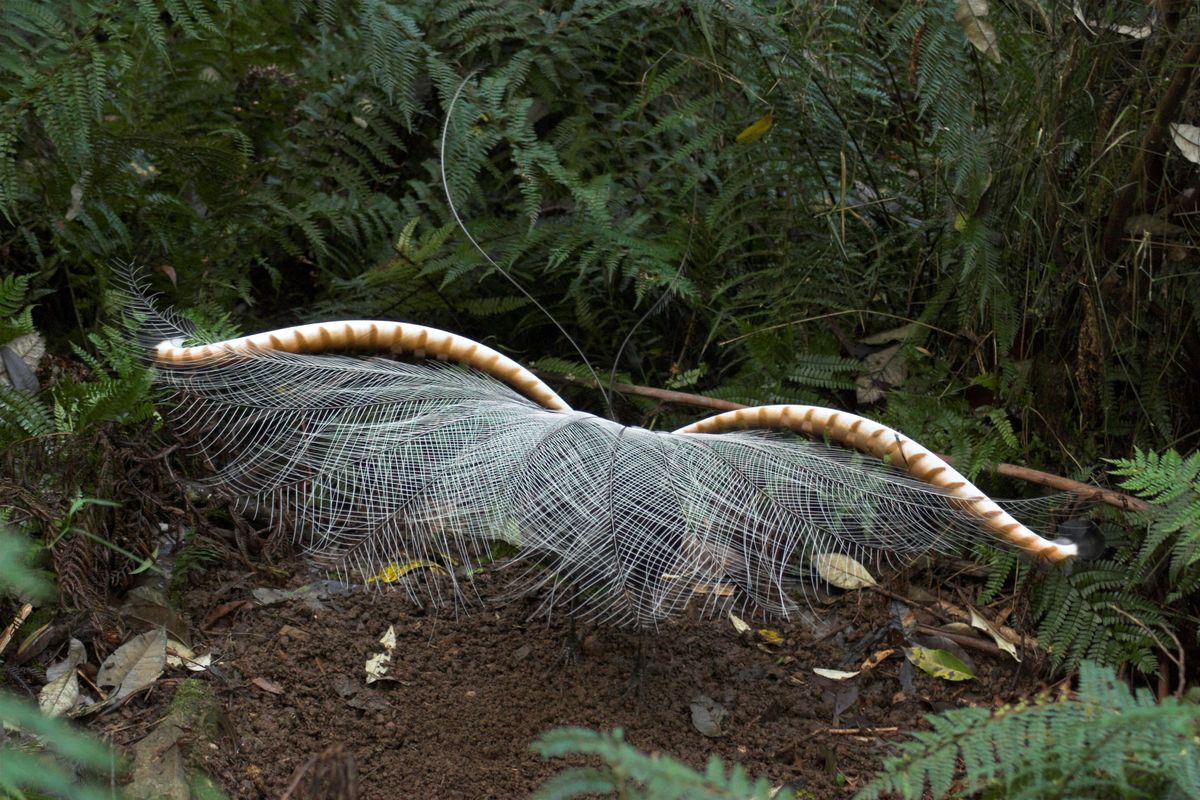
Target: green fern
{"x":1171,"y":483}
{"x":1096,"y":613}
{"x":630,"y":774}
{"x":119,"y":389}
{"x":16,"y":318}
{"x":1104,"y":742}
{"x":23,"y":416}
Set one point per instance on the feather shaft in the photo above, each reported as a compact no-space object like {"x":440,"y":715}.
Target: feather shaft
{"x":377,"y":336}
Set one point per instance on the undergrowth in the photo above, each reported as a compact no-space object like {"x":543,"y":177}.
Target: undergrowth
{"x":1100,"y":741}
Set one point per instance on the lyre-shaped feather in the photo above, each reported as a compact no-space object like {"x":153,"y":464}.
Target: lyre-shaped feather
{"x":371,"y":460}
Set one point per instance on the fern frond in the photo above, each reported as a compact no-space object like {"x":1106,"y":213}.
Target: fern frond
{"x":1102,"y":742}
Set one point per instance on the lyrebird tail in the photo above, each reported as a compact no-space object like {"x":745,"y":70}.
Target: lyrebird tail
{"x":372,"y":460}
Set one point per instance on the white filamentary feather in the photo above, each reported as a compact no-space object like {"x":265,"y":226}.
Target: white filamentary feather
{"x":371,"y":461}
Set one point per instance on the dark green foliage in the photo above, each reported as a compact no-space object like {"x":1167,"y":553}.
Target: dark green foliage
{"x":1097,"y":613}
{"x":286,"y":155}
{"x":1172,"y":541}
{"x":281,"y":160}
{"x":1123,"y":609}
{"x":117,"y":390}
{"x":16,"y":318}
{"x":1103,"y":742}
{"x":50,"y":767}
{"x":630,"y":774}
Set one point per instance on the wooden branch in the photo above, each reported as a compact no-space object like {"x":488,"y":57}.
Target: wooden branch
{"x":665,"y":395}
{"x":1120,"y":500}
{"x":965,"y":640}
{"x":1125,"y":502}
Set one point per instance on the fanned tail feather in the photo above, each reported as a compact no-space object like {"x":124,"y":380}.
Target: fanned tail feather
{"x":371,"y":461}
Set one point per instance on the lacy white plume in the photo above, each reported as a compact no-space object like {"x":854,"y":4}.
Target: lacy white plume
{"x":371,"y":461}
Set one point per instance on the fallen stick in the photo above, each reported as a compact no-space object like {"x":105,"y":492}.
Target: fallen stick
{"x":13,"y":626}
{"x":861,"y":731}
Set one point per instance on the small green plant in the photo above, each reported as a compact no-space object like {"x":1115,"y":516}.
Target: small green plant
{"x":633,"y":775}
{"x":69,"y":527}
{"x":1104,"y":742}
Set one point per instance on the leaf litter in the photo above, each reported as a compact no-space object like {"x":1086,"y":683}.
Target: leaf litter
{"x":459,"y":711}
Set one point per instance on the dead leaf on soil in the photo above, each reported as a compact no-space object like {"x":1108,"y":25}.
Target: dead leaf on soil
{"x":267,"y":685}
{"x":310,"y":594}
{"x":739,"y":624}
{"x":61,"y":692}
{"x":707,"y":715}
{"x":343,"y":686}
{"x":368,"y":700}
{"x":841,"y":692}
{"x":906,"y":679}
{"x":224,"y":610}
{"x":180,"y":655}
{"x":151,"y":606}
{"x":771,"y":637}
{"x":903,"y":616}
{"x":394,"y":572}
{"x":292,"y":632}
{"x":842,"y":571}
{"x":877,"y":658}
{"x":135,"y":664}
{"x":378,"y":665}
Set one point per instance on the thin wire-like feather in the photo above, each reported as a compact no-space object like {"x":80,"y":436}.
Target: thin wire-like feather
{"x":371,"y":460}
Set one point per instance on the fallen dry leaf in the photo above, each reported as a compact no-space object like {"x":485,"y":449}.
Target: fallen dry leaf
{"x":267,"y":685}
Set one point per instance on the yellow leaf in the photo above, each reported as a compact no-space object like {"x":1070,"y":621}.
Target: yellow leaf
{"x":877,"y":658}
{"x":770,"y":637}
{"x":756,"y":131}
{"x":394,"y":572}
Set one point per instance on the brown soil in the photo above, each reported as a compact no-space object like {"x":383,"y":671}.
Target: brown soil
{"x":472,"y":690}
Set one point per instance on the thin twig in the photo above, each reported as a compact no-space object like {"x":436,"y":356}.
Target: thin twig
{"x":860,"y":731}
{"x":13,"y":626}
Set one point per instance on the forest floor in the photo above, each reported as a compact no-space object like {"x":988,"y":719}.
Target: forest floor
{"x":470,"y":691}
